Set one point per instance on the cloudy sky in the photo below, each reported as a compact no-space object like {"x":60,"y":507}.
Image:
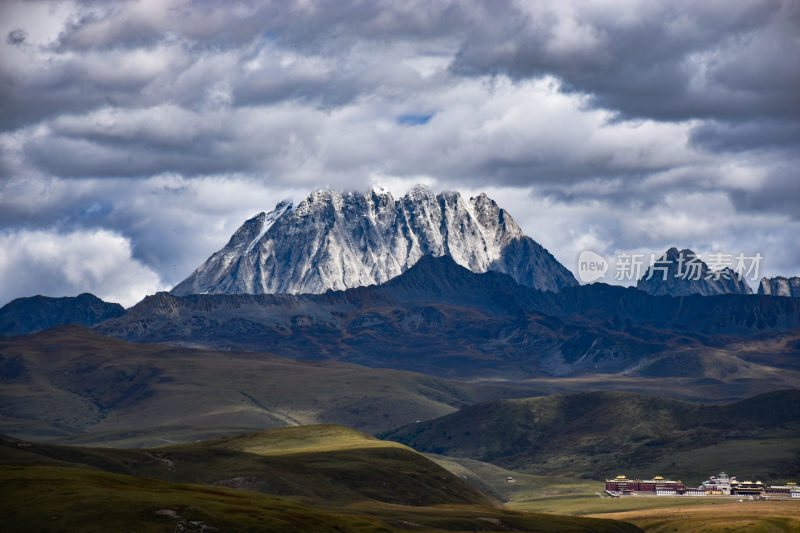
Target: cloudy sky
{"x":136,"y":136}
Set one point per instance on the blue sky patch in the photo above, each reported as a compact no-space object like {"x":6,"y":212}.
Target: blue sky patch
{"x":414,"y":119}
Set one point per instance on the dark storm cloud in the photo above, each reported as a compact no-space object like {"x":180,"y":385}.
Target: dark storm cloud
{"x":781,"y":196}
{"x":157,"y":127}
{"x":16,"y":37}
{"x":747,"y":136}
{"x":667,"y":60}
{"x":79,"y":159}
{"x":313,"y":26}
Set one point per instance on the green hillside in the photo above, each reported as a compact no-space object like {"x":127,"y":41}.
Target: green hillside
{"x":38,"y":498}
{"x":598,"y":434}
{"x":330,"y":463}
{"x":312,"y":478}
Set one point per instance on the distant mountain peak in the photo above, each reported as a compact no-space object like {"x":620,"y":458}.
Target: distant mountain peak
{"x":338,"y":240}
{"x":682,"y":272}
{"x":780,"y":286}
{"x":36,"y":313}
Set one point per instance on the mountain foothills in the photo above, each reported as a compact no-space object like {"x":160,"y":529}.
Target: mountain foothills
{"x":72,"y":385}
{"x":310,"y":479}
{"x":334,"y":240}
{"x":28,"y":315}
{"x":596,"y":433}
{"x":442,"y":319}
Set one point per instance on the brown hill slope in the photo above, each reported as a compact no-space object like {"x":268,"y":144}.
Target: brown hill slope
{"x":68,"y":382}
{"x":599,"y":434}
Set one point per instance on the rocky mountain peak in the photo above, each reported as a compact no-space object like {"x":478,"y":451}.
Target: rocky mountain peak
{"x":338,"y":240}
{"x":780,"y":286}
{"x":682,"y":272}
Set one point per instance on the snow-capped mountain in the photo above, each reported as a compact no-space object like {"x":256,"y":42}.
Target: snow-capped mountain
{"x":681,"y":273}
{"x":335,"y":240}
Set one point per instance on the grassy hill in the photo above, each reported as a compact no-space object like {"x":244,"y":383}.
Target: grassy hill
{"x":598,"y":434}
{"x":311,"y":478}
{"x":72,"y":385}
{"x":318,"y":462}
{"x":756,"y":517}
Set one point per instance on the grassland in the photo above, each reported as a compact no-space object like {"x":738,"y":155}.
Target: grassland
{"x":327,"y":463}
{"x":581,"y":497}
{"x":46,"y":498}
{"x":592,"y":503}
{"x":73,"y":386}
{"x":303,"y":439}
{"x":493,"y":480}
{"x":598,"y":434}
{"x":750,"y":516}
{"x":304,"y":479}
{"x":56,"y":499}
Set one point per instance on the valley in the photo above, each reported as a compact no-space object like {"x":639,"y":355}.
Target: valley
{"x":347,"y":266}
{"x":594,"y":434}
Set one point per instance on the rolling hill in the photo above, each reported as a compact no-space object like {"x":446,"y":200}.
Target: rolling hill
{"x":73,"y":385}
{"x":310,"y":478}
{"x":600,"y":434}
{"x":327,"y":463}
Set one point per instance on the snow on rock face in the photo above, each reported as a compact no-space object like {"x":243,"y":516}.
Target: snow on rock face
{"x":780,"y":286}
{"x":675,"y":277}
{"x":335,"y":240}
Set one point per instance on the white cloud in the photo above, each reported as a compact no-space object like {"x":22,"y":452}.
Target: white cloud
{"x":167,"y":124}
{"x":66,"y":264}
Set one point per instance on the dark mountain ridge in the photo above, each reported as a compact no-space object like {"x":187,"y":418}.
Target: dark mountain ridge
{"x":36,"y":313}
{"x":440,"y":318}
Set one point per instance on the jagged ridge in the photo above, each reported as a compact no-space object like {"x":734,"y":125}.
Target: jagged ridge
{"x":334,"y":240}
{"x":681,"y":273}
{"x":443,"y":319}
{"x":780,"y":286}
